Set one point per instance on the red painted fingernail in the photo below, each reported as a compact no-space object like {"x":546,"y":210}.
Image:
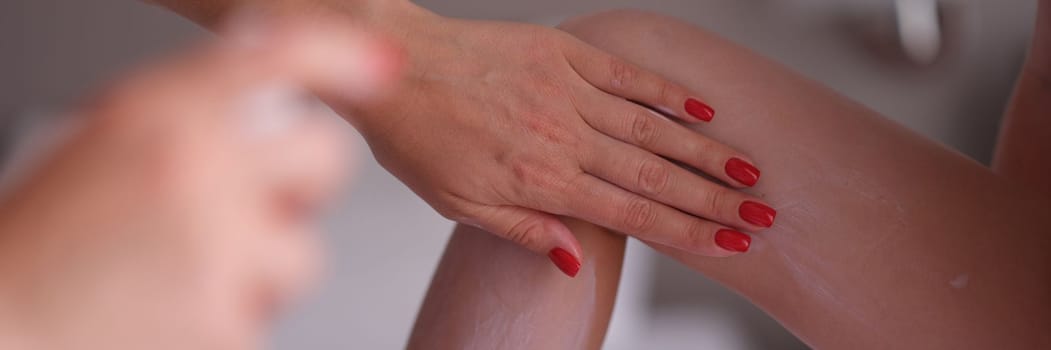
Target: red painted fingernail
{"x":733,"y":241}
{"x":757,"y":213}
{"x":699,"y":110}
{"x":565,"y":261}
{"x":742,"y":171}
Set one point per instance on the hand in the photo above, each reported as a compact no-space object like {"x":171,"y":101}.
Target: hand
{"x":179,"y":217}
{"x":504,"y":126}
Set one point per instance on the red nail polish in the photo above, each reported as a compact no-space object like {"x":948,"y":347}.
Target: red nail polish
{"x":742,"y":171}
{"x":565,"y":261}
{"x":733,"y":241}
{"x":699,"y":110}
{"x":757,"y":213}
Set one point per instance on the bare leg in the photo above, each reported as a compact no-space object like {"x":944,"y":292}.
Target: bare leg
{"x":491,"y":294}
{"x":1024,"y":152}
{"x":884,"y":239}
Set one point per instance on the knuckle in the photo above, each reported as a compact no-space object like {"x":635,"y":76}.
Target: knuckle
{"x":571,"y":187}
{"x":538,"y":184}
{"x":534,"y":174}
{"x":644,"y":130}
{"x":652,"y":177}
{"x":713,"y":202}
{"x":523,"y":171}
{"x":526,"y":232}
{"x":551,"y":130}
{"x":639,"y":215}
{"x":622,"y":74}
{"x":668,"y":92}
{"x":697,"y":236}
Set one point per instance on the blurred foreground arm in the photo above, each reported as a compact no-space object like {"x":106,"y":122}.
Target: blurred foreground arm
{"x":180,"y":215}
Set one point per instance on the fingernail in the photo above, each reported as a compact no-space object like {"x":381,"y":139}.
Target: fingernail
{"x":565,"y":261}
{"x":733,"y":241}
{"x":699,"y":110}
{"x":742,"y":171}
{"x":757,"y":213}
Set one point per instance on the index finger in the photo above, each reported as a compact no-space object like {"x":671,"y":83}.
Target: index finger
{"x":627,"y":80}
{"x":631,"y":214}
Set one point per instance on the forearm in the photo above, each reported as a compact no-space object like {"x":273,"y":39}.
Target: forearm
{"x":1024,"y":150}
{"x":490,"y":294}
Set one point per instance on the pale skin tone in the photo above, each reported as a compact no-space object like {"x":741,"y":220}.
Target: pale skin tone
{"x":540,"y":128}
{"x":885,"y":240}
{"x":180,"y":215}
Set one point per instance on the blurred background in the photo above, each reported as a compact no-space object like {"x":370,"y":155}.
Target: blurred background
{"x":943,"y":68}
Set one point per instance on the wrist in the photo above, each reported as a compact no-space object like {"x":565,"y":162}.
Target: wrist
{"x":420,"y":39}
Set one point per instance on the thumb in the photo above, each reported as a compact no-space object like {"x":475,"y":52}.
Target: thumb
{"x":537,"y":231}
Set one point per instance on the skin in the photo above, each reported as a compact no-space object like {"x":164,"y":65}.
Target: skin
{"x":539,"y":125}
{"x":475,"y":302}
{"x":882,"y":225}
{"x":1025,"y":138}
{"x":119,"y":239}
{"x":885,"y":240}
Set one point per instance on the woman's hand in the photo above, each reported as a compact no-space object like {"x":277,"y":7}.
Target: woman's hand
{"x":504,"y":126}
{"x":179,"y":216}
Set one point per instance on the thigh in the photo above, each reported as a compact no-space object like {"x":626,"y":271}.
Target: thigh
{"x":884,"y":239}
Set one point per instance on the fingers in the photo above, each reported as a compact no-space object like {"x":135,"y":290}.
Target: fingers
{"x":539,"y":232}
{"x":299,"y":146}
{"x":307,"y":166}
{"x":317,"y":57}
{"x":626,"y":80}
{"x":657,"y":179}
{"x":297,"y":159}
{"x":285,"y":265}
{"x":597,"y":201}
{"x":639,"y":126}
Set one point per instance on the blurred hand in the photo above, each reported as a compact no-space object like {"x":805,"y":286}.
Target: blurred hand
{"x":180,"y":216}
{"x":505,"y":126}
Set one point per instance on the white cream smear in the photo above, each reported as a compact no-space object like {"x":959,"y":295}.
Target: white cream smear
{"x":960,"y":281}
